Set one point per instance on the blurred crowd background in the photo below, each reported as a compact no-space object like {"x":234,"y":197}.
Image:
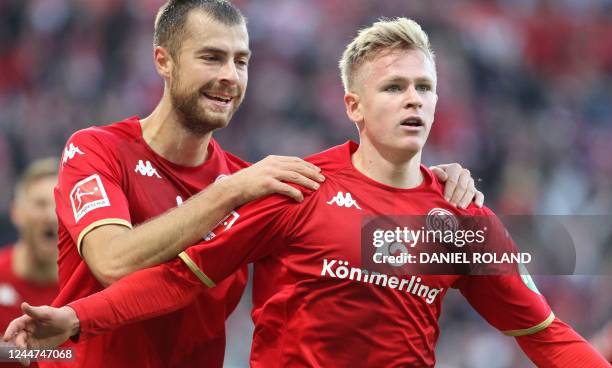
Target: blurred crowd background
{"x":525,"y":102}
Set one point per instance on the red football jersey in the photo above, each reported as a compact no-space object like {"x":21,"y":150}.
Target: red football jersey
{"x":313,"y":304}
{"x":14,"y":291}
{"x":109,"y":175}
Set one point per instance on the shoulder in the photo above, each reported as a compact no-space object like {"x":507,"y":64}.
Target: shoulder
{"x":105,"y":135}
{"x":332,"y":159}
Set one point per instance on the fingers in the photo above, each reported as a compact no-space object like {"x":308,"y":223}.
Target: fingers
{"x":288,"y":190}
{"x":439,"y":173}
{"x":461,"y":188}
{"x":292,"y":160}
{"x":300,"y":175}
{"x":453,"y":174}
{"x":468,"y":196}
{"x":34,"y":312}
{"x":305,"y":163}
{"x":479,"y":199}
{"x":21,"y":340}
{"x":309,"y":171}
{"x":16,"y":325}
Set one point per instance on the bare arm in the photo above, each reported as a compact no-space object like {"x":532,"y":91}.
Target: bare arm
{"x":113,"y":251}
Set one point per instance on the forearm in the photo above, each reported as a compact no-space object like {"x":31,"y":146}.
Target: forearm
{"x":164,"y":237}
{"x":560,"y":346}
{"x":142,"y":295}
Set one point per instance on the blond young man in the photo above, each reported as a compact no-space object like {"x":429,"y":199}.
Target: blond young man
{"x":315,"y":301}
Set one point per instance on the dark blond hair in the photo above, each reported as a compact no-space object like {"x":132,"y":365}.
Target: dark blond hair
{"x":37,"y":170}
{"x":385,"y":34}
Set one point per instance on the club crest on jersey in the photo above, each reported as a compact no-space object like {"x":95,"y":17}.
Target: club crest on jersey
{"x":70,"y":152}
{"x":87,"y":195}
{"x":344,"y":200}
{"x":441,"y":219}
{"x":146,"y":169}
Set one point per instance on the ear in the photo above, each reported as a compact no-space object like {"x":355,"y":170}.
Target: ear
{"x":163,"y":62}
{"x":352,"y":103}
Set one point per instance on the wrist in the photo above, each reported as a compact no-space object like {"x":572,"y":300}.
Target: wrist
{"x":229,"y":193}
{"x":73,"y":321}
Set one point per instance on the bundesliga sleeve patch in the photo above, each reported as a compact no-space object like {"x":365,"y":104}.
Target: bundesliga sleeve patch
{"x":87,"y":195}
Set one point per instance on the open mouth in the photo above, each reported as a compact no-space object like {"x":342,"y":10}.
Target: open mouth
{"x":220,"y":98}
{"x":412,"y":122}
{"x":50,"y":234}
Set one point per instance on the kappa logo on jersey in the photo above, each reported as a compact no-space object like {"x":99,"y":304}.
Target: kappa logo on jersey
{"x":146,"y":169}
{"x":87,"y":195}
{"x":70,"y":152}
{"x":441,"y":219}
{"x":344,"y":200}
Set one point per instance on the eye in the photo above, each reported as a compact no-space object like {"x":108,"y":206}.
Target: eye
{"x":211,"y":58}
{"x":393,"y":88}
{"x":242,"y":62}
{"x":423,"y":87}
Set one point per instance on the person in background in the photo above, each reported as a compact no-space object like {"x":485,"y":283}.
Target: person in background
{"x":28,"y":268}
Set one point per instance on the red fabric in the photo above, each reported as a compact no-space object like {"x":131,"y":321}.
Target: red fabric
{"x":558,"y":346}
{"x":128,"y":181}
{"x":14,"y":291}
{"x":304,"y":314}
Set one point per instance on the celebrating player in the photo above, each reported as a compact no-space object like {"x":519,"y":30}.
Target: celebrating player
{"x":119,"y":183}
{"x":314,"y":303}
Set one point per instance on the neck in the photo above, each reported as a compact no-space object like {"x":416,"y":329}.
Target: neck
{"x":393,"y":169}
{"x":164,"y":133}
{"x":28,"y":268}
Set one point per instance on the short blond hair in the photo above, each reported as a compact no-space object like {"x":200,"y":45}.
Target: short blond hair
{"x":385,"y":34}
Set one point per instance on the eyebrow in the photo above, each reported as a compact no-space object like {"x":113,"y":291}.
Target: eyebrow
{"x":397,"y":78}
{"x":216,"y":50}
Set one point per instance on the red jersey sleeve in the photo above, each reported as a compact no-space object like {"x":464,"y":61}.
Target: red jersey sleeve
{"x":252,"y":232}
{"x":561,"y":347}
{"x":509,"y":301}
{"x":89,"y":192}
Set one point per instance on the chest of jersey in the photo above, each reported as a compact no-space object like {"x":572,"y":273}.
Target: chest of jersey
{"x":334,"y":240}
{"x":153,"y":186}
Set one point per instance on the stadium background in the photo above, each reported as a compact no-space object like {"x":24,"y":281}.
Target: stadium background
{"x":525,"y":103}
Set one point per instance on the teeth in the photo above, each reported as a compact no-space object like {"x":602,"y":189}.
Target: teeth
{"x":219,"y":98}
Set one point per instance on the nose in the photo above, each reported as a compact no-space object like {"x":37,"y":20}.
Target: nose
{"x":229,"y":73}
{"x":413,"y":98}
{"x":50,"y":213}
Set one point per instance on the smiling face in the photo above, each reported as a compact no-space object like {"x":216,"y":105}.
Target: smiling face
{"x":394,"y":101}
{"x":209,"y":74}
{"x":33,"y":214}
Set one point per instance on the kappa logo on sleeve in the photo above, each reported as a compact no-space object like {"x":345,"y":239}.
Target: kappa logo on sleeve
{"x":70,"y":152}
{"x":87,"y":195}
